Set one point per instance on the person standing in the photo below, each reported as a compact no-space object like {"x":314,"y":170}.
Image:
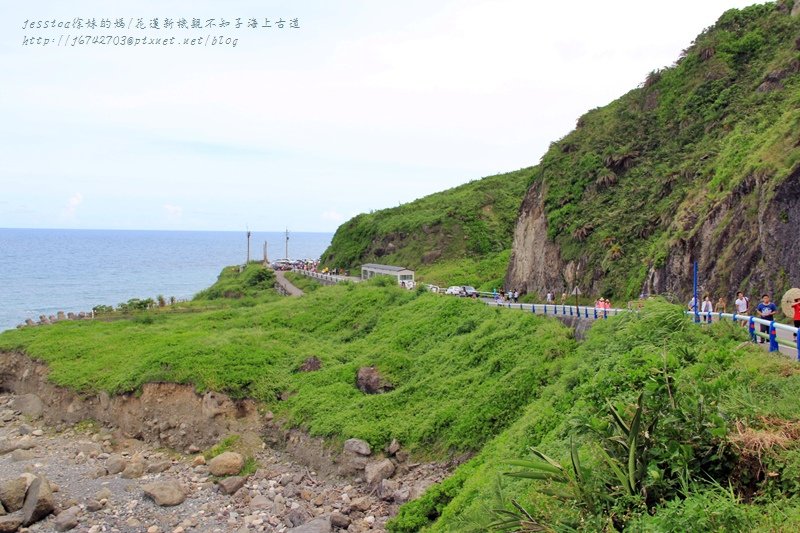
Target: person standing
{"x":516,"y":296}
{"x":766,"y":310}
{"x":796,"y":308}
{"x":707,"y":308}
{"x":741,"y":306}
{"x":720,"y":305}
{"x":549,"y":297}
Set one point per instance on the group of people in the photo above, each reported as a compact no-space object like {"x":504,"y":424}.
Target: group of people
{"x":602,"y":303}
{"x":511,"y":296}
{"x":766,"y":309}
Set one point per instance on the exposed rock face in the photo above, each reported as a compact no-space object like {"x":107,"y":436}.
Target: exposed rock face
{"x":187,"y":419}
{"x":744,"y":242}
{"x":370,"y":381}
{"x":535,"y":264}
{"x":29,"y":405}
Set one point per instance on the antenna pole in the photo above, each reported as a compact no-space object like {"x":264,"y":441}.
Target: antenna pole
{"x":286,"y":252}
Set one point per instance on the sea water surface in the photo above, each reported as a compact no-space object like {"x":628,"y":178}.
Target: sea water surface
{"x":43,"y":271}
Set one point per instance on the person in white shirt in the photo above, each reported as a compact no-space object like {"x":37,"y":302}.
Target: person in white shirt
{"x":741,"y":305}
{"x":707,"y":308}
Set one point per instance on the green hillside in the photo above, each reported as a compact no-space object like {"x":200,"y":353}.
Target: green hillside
{"x":430,"y":347}
{"x":700,"y":162}
{"x":715,"y":447}
{"x":474,"y":221}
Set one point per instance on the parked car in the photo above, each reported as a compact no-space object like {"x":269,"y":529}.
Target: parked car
{"x":455,"y":290}
{"x":469,"y":291}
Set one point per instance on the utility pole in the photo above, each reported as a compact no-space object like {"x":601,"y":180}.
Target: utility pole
{"x":286,"y":251}
{"x":248,"y":247}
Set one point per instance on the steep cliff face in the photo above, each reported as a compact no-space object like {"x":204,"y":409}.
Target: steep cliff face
{"x":702,"y":162}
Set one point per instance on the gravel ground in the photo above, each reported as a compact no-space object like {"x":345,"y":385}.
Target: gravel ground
{"x":280,"y":496}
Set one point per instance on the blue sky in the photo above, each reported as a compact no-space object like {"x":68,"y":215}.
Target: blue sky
{"x":367,"y":105}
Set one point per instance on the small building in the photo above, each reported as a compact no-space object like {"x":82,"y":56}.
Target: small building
{"x":401,"y":274}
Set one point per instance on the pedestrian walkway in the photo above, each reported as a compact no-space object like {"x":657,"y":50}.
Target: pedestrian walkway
{"x":285,"y":286}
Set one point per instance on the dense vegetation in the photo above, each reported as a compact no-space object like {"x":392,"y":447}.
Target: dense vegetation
{"x":709,"y":421}
{"x":644,"y":175}
{"x":472,"y":221}
{"x":429,"y":347}
{"x":715,"y":447}
{"x":681,"y":166}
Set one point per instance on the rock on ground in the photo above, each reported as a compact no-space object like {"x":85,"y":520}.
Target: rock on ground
{"x":226,"y":464}
{"x":318,"y":525}
{"x":165,"y":493}
{"x":38,"y":501}
{"x":361,"y":447}
{"x":378,"y":471}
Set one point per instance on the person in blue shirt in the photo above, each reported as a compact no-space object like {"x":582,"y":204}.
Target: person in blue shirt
{"x":766,"y":310}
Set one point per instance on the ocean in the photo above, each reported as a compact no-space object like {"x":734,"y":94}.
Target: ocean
{"x":43,"y":271}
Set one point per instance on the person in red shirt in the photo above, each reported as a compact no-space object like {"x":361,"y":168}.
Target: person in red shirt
{"x":796,"y":307}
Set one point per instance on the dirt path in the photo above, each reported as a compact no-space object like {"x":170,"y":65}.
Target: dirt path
{"x":286,"y":285}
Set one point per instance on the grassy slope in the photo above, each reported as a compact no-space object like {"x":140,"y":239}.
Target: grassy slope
{"x":432,"y":348}
{"x":638,"y":175}
{"x":717,"y":382}
{"x":472,"y":221}
{"x":635,"y":177}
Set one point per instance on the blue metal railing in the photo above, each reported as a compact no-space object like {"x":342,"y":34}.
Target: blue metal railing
{"x":751,"y":321}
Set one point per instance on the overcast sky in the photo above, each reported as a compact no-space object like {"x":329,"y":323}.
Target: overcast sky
{"x":366,"y":105}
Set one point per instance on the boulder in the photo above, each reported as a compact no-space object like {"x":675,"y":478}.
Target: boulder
{"x":318,"y":525}
{"x":133,"y":470}
{"x":24,"y":443}
{"x":29,"y":405}
{"x":297,"y":517}
{"x":370,"y":381}
{"x":231,"y":484}
{"x":259,"y":502}
{"x":339,"y":520}
{"x":10,"y":523}
{"x":378,"y":471}
{"x":116,"y":464}
{"x":12,"y":494}
{"x":159,"y":466}
{"x":22,"y":455}
{"x":226,"y":464}
{"x":358,"y":446}
{"x":312,"y":364}
{"x":393,"y":448}
{"x":38,"y":501}
{"x":386,"y":489}
{"x":361,"y":504}
{"x":67,"y":520}
{"x":165,"y":493}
